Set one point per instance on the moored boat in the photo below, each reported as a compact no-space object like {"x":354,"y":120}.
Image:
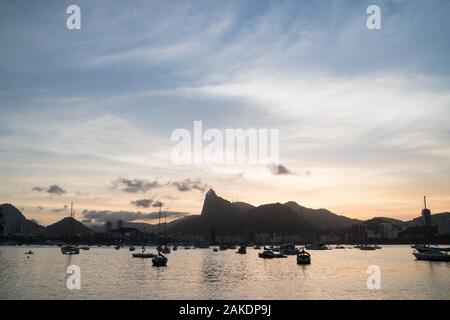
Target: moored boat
{"x":266,"y":254}
{"x":317,"y":246}
{"x":143,"y":255}
{"x":367,"y":247}
{"x":303,"y":257}
{"x":159,"y":260}
{"x":242,"y":250}
{"x":165,"y":249}
{"x":70,"y":248}
{"x":432,"y":255}
{"x":288,"y":249}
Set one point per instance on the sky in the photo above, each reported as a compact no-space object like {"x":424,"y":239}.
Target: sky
{"x":87,"y":115}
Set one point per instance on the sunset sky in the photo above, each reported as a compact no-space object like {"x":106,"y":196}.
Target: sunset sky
{"x":87,"y":115}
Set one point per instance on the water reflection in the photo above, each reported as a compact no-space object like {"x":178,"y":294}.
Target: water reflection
{"x":203,"y":274}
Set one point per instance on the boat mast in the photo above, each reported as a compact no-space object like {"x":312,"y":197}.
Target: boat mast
{"x":159,"y":223}
{"x":72,"y":217}
{"x":165,"y":226}
{"x":242,"y":229}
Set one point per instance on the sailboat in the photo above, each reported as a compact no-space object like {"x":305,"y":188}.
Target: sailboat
{"x":432,"y":255}
{"x":70,"y":248}
{"x":166,"y":248}
{"x":427,"y":252}
{"x":242,"y":249}
{"x":159,"y":260}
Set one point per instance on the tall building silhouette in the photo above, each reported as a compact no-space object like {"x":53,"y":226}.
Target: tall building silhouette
{"x":426,"y":214}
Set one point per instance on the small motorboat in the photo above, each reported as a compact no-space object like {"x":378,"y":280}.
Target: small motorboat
{"x":432,"y":255}
{"x":215,"y":250}
{"x":29,"y":252}
{"x":257,"y":247}
{"x":175,"y":248}
{"x":303,"y":257}
{"x":317,"y":246}
{"x":367,"y":247}
{"x":242,"y":250}
{"x":85,"y":248}
{"x":165,"y":249}
{"x":159,"y":260}
{"x":274,"y":248}
{"x":187,"y":248}
{"x":70,"y":249}
{"x":232,"y":247}
{"x":117,"y":247}
{"x":289,"y":249}
{"x":338,"y":246}
{"x":143,"y":255}
{"x":132,"y":248}
{"x":266,"y":254}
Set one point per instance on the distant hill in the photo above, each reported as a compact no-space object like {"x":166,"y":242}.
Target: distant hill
{"x":435,"y":218}
{"x":232,"y":218}
{"x":62,"y":228}
{"x":217,"y":213}
{"x":321,"y":218}
{"x":14,"y":222}
{"x":375,"y":223}
{"x":243,"y":206}
{"x":141,"y":226}
{"x":276,"y":218}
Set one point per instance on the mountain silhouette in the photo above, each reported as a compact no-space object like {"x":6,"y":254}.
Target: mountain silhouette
{"x":243,"y":206}
{"x":15,"y":222}
{"x":141,"y":226}
{"x":62,"y":228}
{"x":321,"y":218}
{"x":276,"y":218}
{"x":234,"y":218}
{"x":217,"y":213}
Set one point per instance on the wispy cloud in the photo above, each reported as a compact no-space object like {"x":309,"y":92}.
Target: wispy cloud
{"x":147,"y":203}
{"x":103,"y":216}
{"x":53,"y":189}
{"x":279,"y":170}
{"x":188,"y":185}
{"x":135,"y":185}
